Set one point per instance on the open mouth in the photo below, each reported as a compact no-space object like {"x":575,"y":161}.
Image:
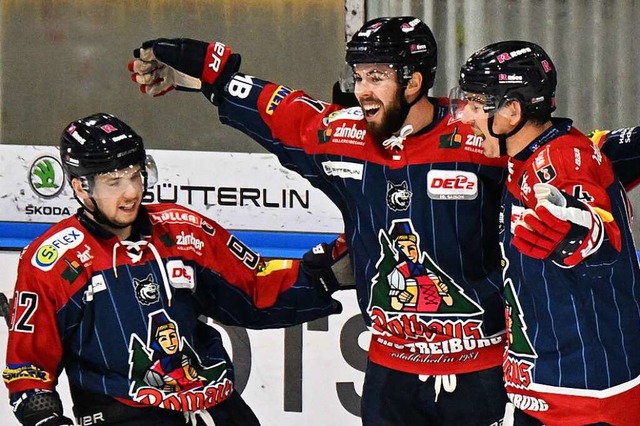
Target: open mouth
{"x":370,"y":111}
{"x":128,"y":208}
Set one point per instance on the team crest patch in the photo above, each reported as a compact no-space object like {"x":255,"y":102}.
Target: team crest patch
{"x":398,"y":196}
{"x":147,"y":291}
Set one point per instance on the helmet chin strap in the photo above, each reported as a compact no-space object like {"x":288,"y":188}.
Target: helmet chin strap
{"x":98,"y":216}
{"x":502,"y":138}
{"x":406,"y":106}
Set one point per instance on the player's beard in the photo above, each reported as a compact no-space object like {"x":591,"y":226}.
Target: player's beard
{"x":393,"y":119}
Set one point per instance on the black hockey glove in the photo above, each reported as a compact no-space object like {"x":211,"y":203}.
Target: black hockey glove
{"x":162,"y":65}
{"x":39,"y":407}
{"x":329,"y":266}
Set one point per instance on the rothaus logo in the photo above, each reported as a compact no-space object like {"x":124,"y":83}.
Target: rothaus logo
{"x":452,"y":185}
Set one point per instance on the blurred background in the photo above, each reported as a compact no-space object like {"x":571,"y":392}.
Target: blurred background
{"x":63,"y":59}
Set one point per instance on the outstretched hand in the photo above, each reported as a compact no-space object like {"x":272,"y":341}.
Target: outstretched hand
{"x":161,"y":65}
{"x":156,"y":77}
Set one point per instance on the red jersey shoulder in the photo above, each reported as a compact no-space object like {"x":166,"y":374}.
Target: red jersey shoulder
{"x":169,"y":214}
{"x":344,"y":126}
{"x":450,"y":140}
{"x":185,"y":232}
{"x":569,"y":157}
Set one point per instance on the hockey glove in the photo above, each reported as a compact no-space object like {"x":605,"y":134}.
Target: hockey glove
{"x":39,"y":407}
{"x":184,"y":64}
{"x":329,"y":266}
{"x":561,"y":228}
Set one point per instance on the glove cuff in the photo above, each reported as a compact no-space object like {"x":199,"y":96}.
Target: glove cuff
{"x":329,"y":266}
{"x":579,"y":244}
{"x":215,"y":61}
{"x":212,"y":90}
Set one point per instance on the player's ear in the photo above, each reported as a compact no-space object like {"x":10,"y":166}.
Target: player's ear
{"x":513,"y":111}
{"x":414,"y":86}
{"x":79,"y":188}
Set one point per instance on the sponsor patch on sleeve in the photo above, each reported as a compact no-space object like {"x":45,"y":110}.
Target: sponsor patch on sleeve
{"x":278,"y":96}
{"x":55,"y":246}
{"x":24,"y":371}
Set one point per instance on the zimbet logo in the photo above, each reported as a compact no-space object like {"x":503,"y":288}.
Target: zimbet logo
{"x":351,"y":132}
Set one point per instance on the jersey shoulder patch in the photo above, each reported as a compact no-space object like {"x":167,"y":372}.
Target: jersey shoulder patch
{"x":54,"y":247}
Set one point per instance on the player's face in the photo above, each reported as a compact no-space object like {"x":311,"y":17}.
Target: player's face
{"x":168,"y":339}
{"x":380,"y":96}
{"x":119,"y":194}
{"x":474,"y":115}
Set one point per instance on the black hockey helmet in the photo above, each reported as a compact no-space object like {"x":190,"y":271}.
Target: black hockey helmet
{"x":404,"y":41}
{"x":99,"y":143}
{"x":512,"y":70}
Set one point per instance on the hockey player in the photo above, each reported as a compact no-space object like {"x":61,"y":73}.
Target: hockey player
{"x":395,"y":162}
{"x":119,"y":295}
{"x":571,"y":269}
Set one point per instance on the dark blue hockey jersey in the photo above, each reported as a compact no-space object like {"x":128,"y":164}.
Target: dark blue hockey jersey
{"x":573,"y":355}
{"x":421,"y":223}
{"x":127,"y":319}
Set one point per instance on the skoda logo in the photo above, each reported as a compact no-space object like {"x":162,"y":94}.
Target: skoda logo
{"x":46,"y":176}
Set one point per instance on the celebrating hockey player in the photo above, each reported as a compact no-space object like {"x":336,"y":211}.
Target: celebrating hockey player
{"x":395,"y":163}
{"x":119,"y":294}
{"x":571,"y":269}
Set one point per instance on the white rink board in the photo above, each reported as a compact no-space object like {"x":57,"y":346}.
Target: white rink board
{"x":323,"y":369}
{"x":240,"y":191}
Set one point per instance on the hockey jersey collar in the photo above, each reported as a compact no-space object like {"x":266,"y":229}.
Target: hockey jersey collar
{"x":561,"y":126}
{"x":440,"y":111}
{"x":141,"y":228}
